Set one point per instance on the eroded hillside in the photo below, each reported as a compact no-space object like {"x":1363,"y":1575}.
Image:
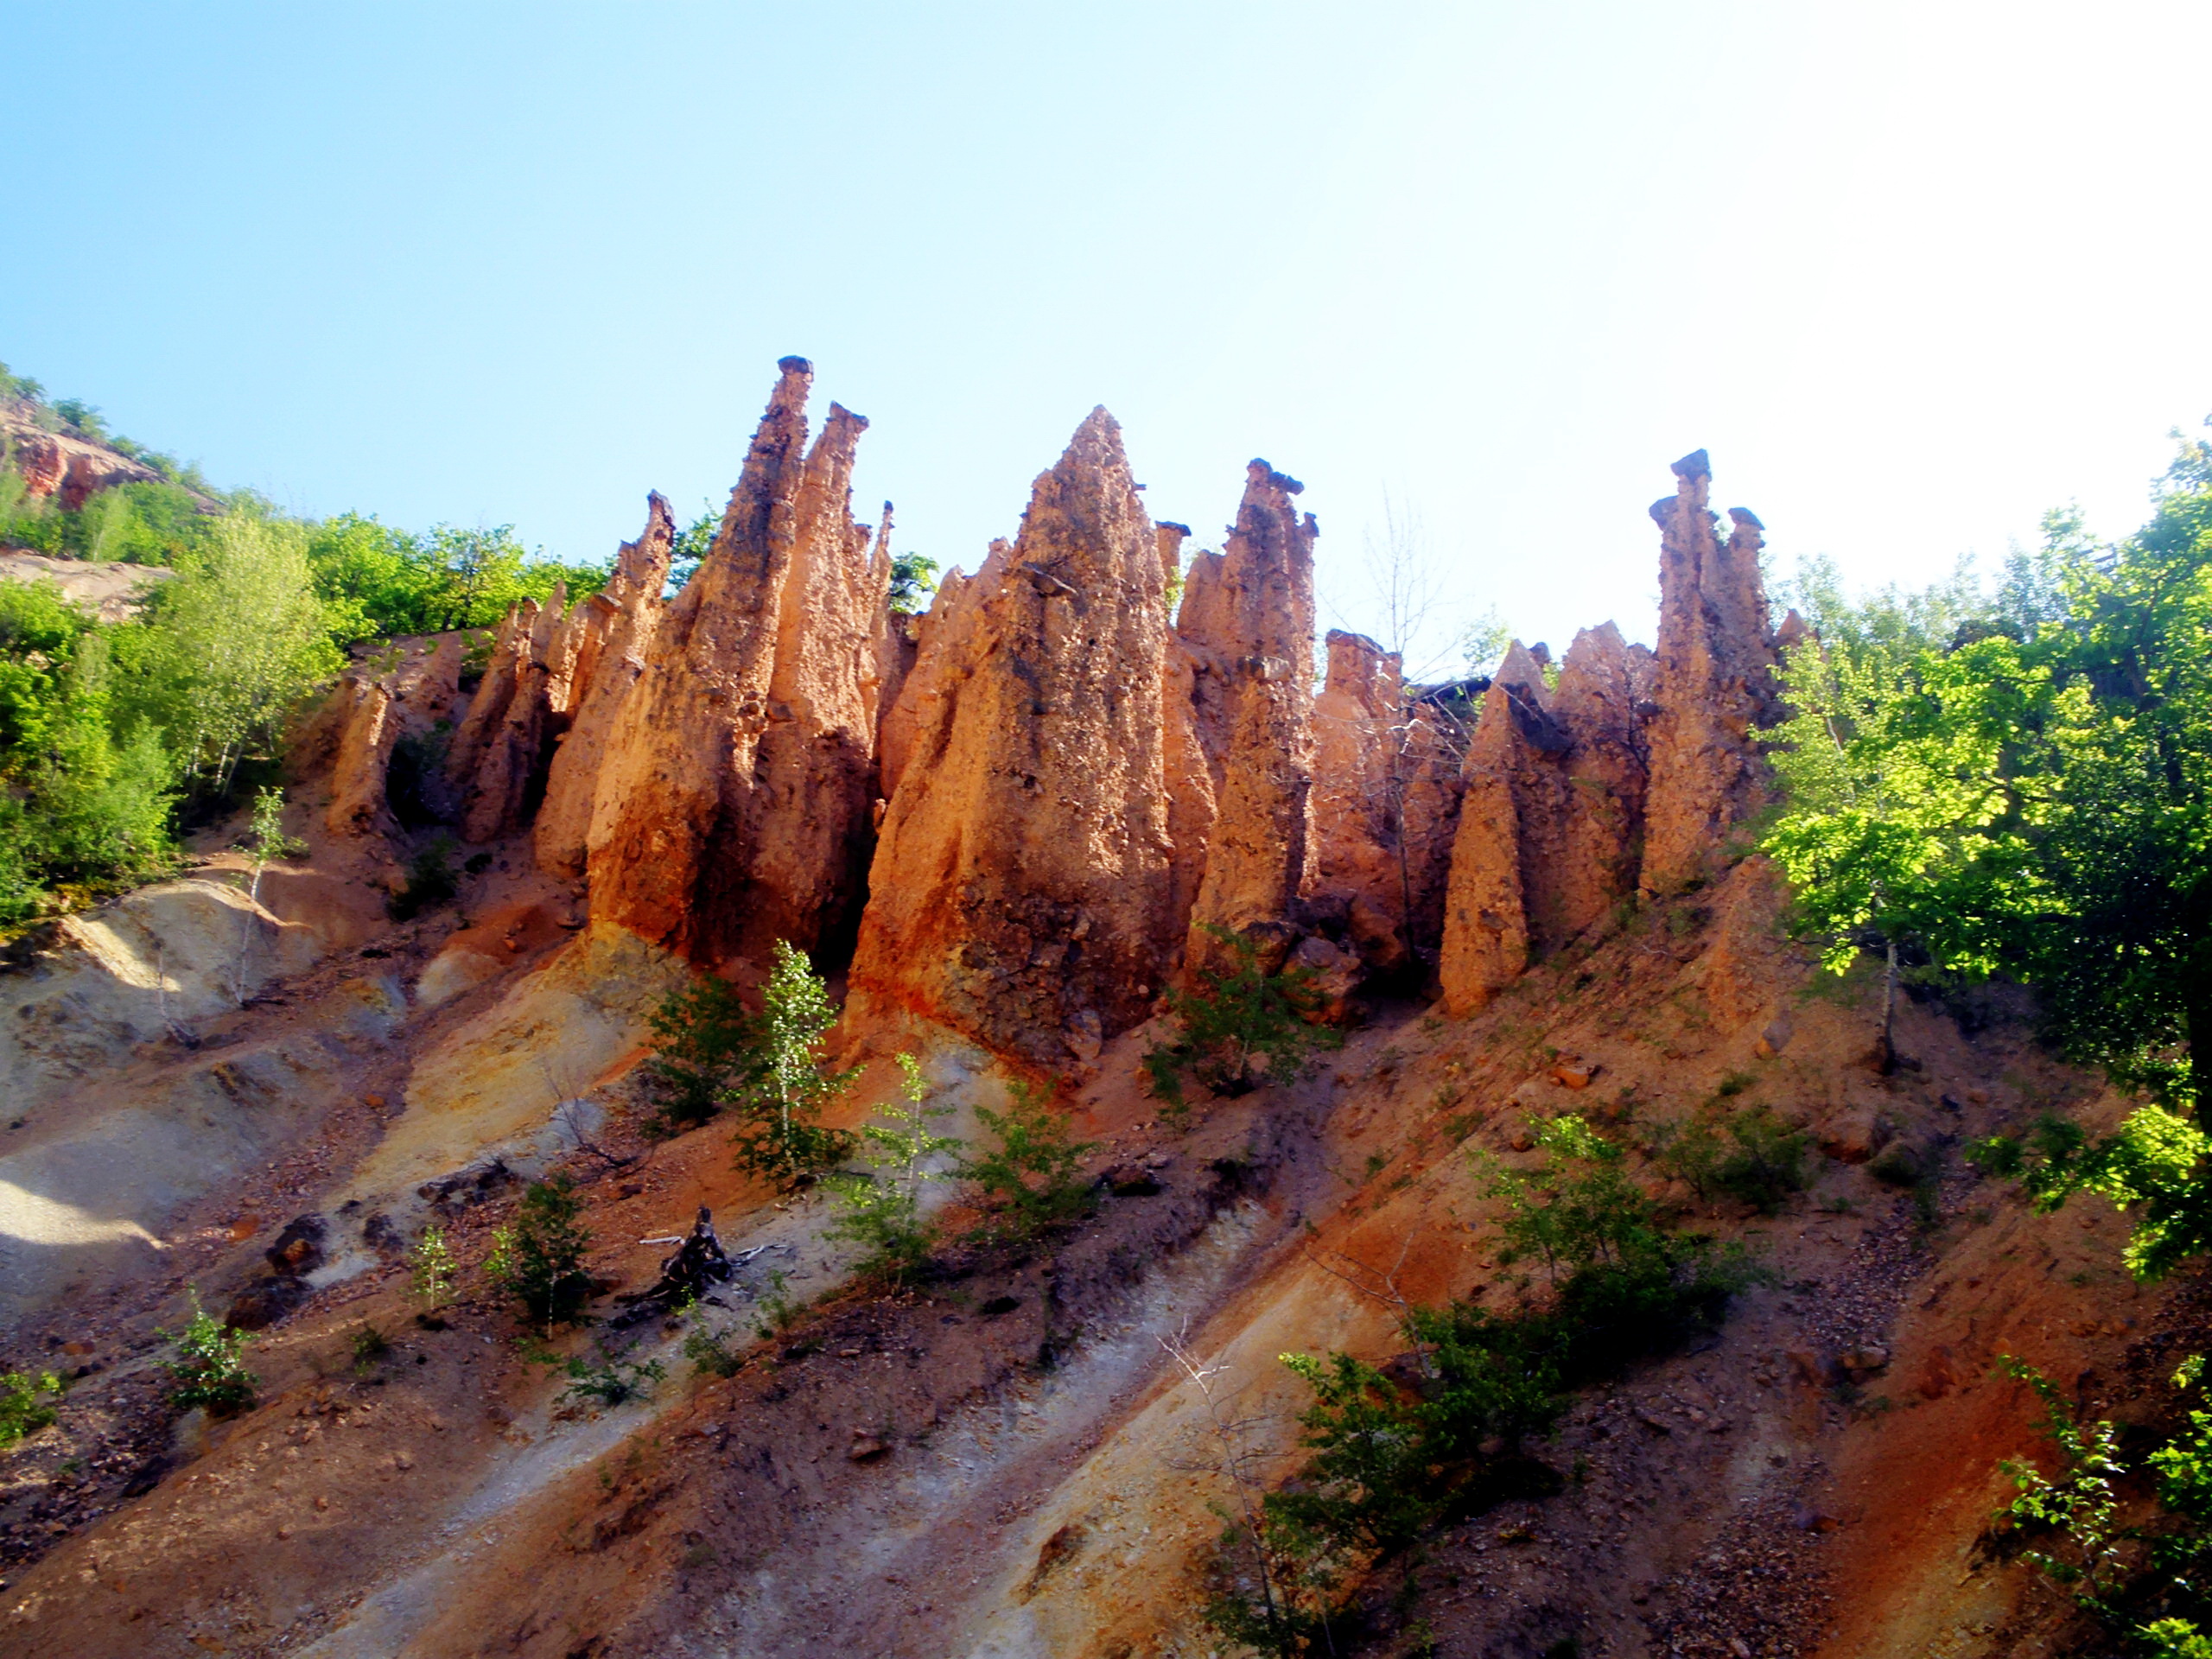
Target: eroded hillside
{"x":1008,"y":827}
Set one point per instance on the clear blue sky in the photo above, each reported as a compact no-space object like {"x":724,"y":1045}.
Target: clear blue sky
{"x":1912,"y":272}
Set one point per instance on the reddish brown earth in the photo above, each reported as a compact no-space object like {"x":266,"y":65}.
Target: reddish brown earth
{"x":1020,"y":802}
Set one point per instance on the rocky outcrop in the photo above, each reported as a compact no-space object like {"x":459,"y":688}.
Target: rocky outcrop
{"x":1020,"y":892}
{"x":1247,"y":619}
{"x":53,"y":464}
{"x":732,"y":806}
{"x":1550,"y":822}
{"x":610,"y":655}
{"x":1715,"y":687}
{"x":499,"y":756}
{"x":1386,"y":804}
{"x":815,"y":770}
{"x":374,"y":707}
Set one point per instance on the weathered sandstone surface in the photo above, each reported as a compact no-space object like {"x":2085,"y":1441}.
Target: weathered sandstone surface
{"x":53,"y":464}
{"x":1020,"y":891}
{"x":609,"y":657}
{"x":1386,"y":803}
{"x":1715,"y":686}
{"x":375,"y":706}
{"x":734,"y":806}
{"x":1247,"y":619}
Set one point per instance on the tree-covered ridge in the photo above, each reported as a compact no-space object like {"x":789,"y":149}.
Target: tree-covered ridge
{"x":108,"y":732}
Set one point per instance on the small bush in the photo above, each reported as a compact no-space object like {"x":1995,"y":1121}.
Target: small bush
{"x":1752,"y":1156}
{"x":370,"y":1346}
{"x":27,"y":1400}
{"x":539,"y":1259}
{"x":207,"y":1363}
{"x":612,"y":1382}
{"x":1238,"y":1024}
{"x":1029,"y":1182}
{"x":710,"y":1354}
{"x":709,"y":1045}
{"x":881,"y":1209}
{"x":430,"y":881}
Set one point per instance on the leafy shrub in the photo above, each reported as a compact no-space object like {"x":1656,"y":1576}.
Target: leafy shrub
{"x":1752,"y":1156}
{"x":2145,"y":1580}
{"x":710,"y":1046}
{"x":1239,"y":1022}
{"x":1029,"y":1181}
{"x":1392,"y":1456}
{"x":784,"y":1087}
{"x":27,"y":1400}
{"x":612,"y":1382}
{"x":206,"y":1360}
{"x":539,"y":1259}
{"x":881,"y":1209}
{"x":430,"y":881}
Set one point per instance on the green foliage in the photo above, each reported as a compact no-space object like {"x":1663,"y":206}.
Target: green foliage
{"x":84,"y":796}
{"x":206,"y":1361}
{"x":370,"y":1346}
{"x":430,"y":881}
{"x":881,"y":1209}
{"x":2034,"y":799}
{"x":379,"y":581}
{"x":913,"y":579}
{"x":612,"y":1382}
{"x":430,"y":1268}
{"x":1395,"y":1455}
{"x":785,"y":1090}
{"x":1239,"y":1022}
{"x":538,"y":1258}
{"x":1029,"y":1181}
{"x":231,"y":649}
{"x":708,"y":1046}
{"x":691,"y":544}
{"x":27,"y":1400}
{"x":2154,"y":1165}
{"x":2148,"y":1581}
{"x":1752,"y":1156}
{"x":707,"y":1349}
{"x":1486,"y":642}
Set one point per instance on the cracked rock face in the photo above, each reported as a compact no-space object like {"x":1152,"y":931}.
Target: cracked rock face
{"x":610,"y":655}
{"x":1020,"y":891}
{"x":1248,"y":618}
{"x":1386,"y":803}
{"x":373,"y":711}
{"x":1715,"y":685}
{"x":1551,"y":824}
{"x":732,"y":806}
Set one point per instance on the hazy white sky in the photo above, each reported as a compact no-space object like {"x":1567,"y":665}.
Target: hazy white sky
{"x":1911,"y":272}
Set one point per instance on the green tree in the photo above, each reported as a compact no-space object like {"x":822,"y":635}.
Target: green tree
{"x":2035,"y":800}
{"x":708,"y":1046}
{"x":781,"y":1100}
{"x":230,"y":650}
{"x":913,"y":579}
{"x":538,"y":1258}
{"x":883,"y":1207}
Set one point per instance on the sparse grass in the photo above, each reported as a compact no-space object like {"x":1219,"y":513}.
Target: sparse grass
{"x":370,"y":1346}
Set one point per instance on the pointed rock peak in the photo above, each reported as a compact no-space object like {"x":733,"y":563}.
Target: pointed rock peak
{"x":1696,"y":464}
{"x":1744,"y":518}
{"x":1096,"y":442}
{"x":842,"y":418}
{"x":1521,"y":670}
{"x":798,"y":368}
{"x":1259,"y":475}
{"x":1171,"y":539}
{"x":1794,"y":631}
{"x":1600,"y":648}
{"x":883,"y":534}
